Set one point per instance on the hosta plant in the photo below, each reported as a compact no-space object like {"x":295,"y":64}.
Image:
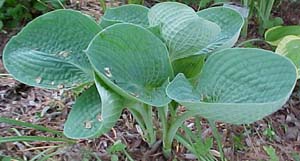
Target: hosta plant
{"x":141,"y":58}
{"x":287,"y":42}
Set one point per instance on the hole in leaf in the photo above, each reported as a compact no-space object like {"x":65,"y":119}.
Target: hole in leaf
{"x":107,"y":72}
{"x":38,"y":80}
{"x":88,"y":124}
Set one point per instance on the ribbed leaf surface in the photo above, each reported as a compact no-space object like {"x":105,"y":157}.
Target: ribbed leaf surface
{"x":237,"y":86}
{"x":48,"y":52}
{"x":131,"y":13}
{"x":184,"y":32}
{"x":230,"y":22}
{"x":132,"y":61}
{"x":92,"y":115}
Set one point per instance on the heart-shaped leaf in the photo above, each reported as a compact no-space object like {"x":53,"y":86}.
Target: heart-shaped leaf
{"x":230,"y":22}
{"x":289,"y":46}
{"x":133,"y":62}
{"x":237,"y":86}
{"x":48,"y":52}
{"x":93,"y":115}
{"x":131,"y":13}
{"x":184,"y":32}
{"x":274,"y":35}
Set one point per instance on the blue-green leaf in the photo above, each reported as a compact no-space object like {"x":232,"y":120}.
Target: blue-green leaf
{"x":237,"y":86}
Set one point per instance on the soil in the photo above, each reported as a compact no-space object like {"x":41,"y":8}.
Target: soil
{"x":50,"y":108}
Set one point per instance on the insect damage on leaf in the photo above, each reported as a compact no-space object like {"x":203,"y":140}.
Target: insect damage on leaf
{"x":99,"y":117}
{"x":107,"y":72}
{"x":60,"y":86}
{"x":38,"y":80}
{"x":64,"y":54}
{"x":88,"y":124}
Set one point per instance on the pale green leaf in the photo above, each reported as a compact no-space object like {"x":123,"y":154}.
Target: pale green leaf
{"x":237,"y":86}
{"x":49,"y":51}
{"x":131,"y":13}
{"x":289,"y":46}
{"x":93,"y":115}
{"x":132,"y":61}
{"x":184,"y":32}
{"x":274,"y":35}
{"x":118,"y":146}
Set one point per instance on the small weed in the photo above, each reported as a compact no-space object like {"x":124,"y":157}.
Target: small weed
{"x":269,"y":133}
{"x":117,"y":147}
{"x":271,"y":152}
{"x":238,"y":142}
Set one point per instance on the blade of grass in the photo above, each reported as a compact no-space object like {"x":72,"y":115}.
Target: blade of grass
{"x":4,"y":74}
{"x":102,"y":5}
{"x":47,"y":157}
{"x":217,"y":137}
{"x":30,"y":125}
{"x":19,"y":134}
{"x":61,"y":4}
{"x":43,"y":153}
{"x":185,"y":143}
{"x":34,"y":138}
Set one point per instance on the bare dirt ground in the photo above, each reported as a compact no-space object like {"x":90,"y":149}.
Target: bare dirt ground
{"x":50,"y":108}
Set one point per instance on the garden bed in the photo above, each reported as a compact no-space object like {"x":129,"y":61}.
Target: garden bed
{"x":49,"y":108}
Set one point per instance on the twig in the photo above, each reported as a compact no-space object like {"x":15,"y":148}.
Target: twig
{"x":41,"y":147}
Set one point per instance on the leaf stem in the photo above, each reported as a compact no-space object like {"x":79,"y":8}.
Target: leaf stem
{"x":149,"y":125}
{"x":167,"y":143}
{"x":143,"y":116}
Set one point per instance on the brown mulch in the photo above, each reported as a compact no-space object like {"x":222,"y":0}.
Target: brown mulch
{"x":50,"y":108}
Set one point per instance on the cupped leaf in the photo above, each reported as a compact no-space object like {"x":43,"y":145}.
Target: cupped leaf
{"x":131,"y":13}
{"x":274,"y":35}
{"x":132,"y":61}
{"x":230,"y":22}
{"x":48,"y":52}
{"x":184,"y":32}
{"x":93,"y":115}
{"x":237,"y":86}
{"x":289,"y":46}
